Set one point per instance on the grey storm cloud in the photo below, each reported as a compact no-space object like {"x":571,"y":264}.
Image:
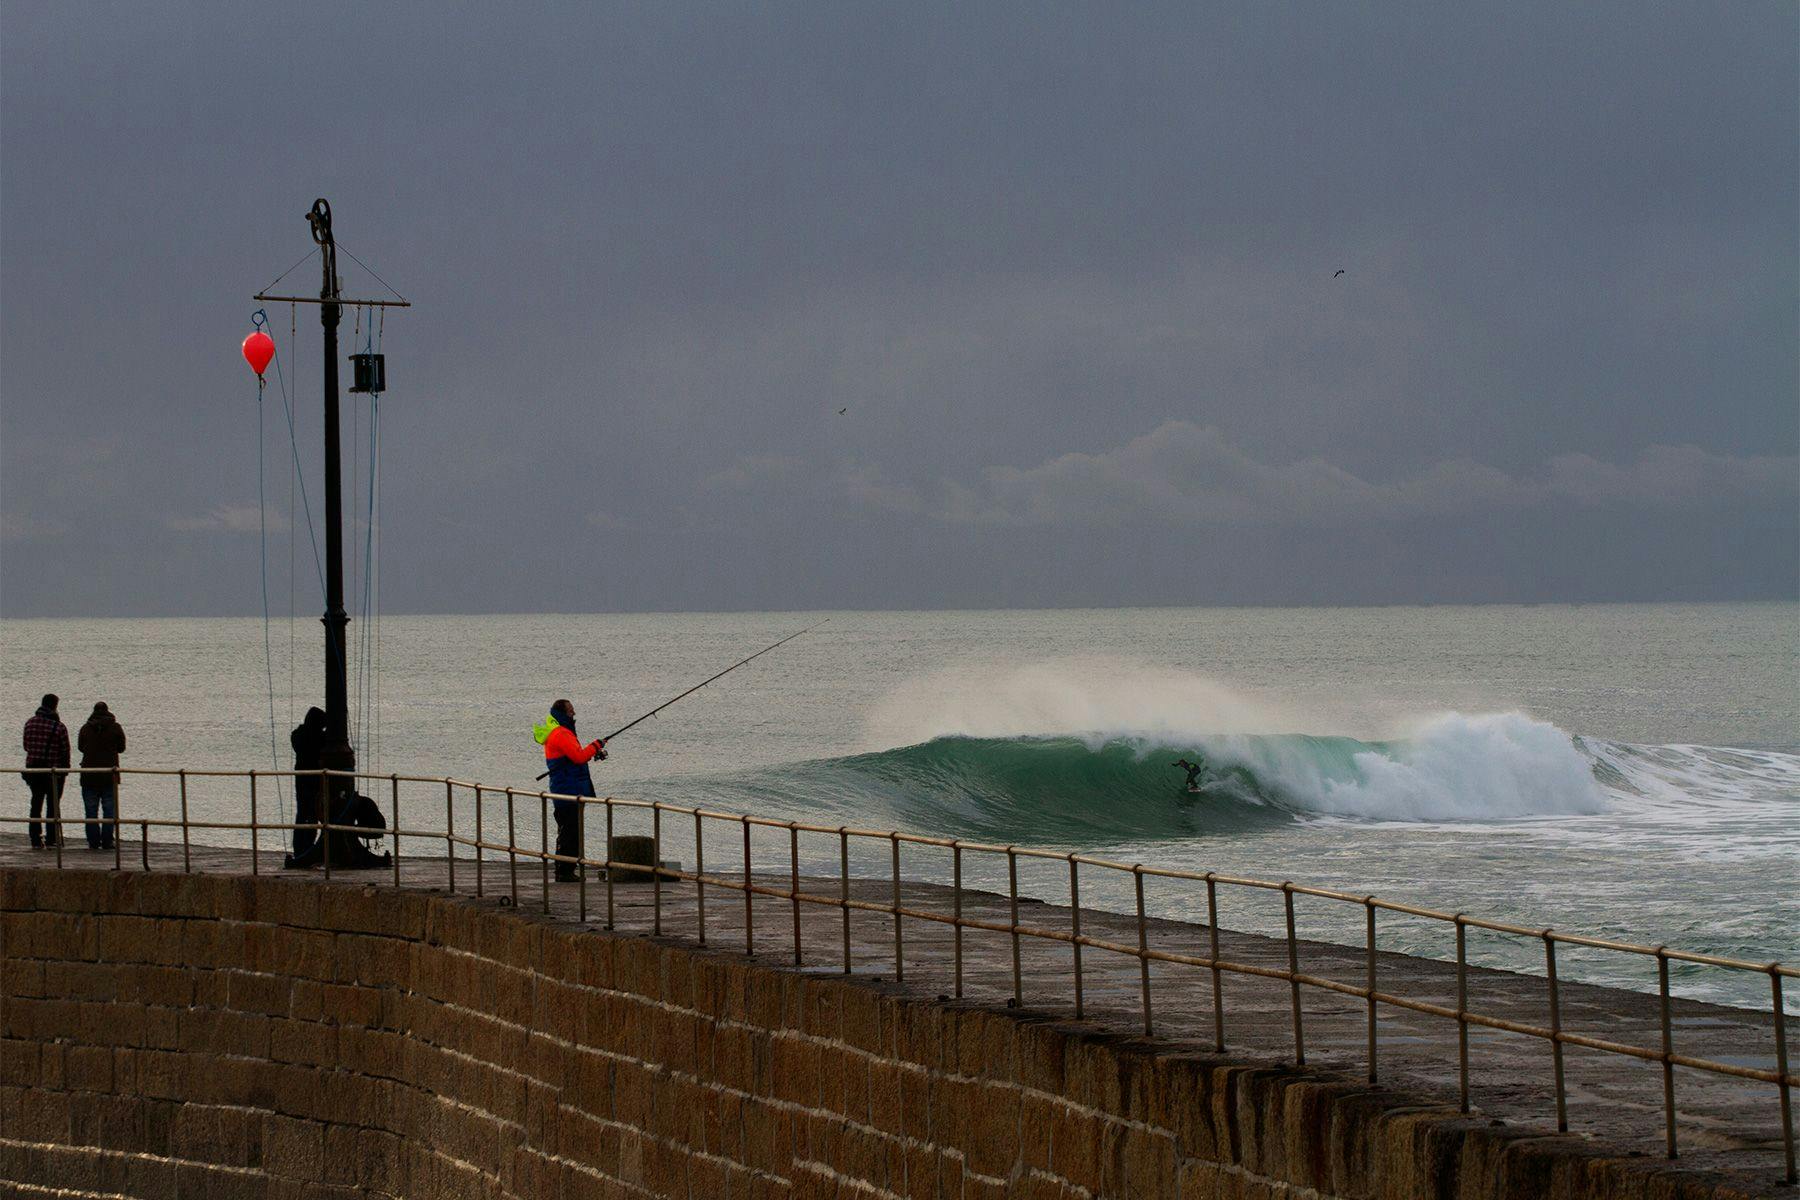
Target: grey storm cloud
{"x":1070,"y":272}
{"x":1195,"y":475}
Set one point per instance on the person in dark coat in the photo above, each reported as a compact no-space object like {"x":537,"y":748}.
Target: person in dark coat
{"x":100,"y":741}
{"x":308,"y":741}
{"x":46,"y":745}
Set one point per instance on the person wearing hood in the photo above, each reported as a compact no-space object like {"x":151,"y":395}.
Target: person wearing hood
{"x":308,"y":740}
{"x":46,"y":745}
{"x":566,"y":760}
{"x":101,"y":741}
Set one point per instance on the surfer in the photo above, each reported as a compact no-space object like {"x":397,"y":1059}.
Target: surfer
{"x":1193,"y":773}
{"x":567,"y":760}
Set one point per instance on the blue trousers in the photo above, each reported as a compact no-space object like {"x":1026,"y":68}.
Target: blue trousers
{"x":99,"y":799}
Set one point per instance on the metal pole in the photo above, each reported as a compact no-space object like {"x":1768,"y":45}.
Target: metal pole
{"x":956,"y":910}
{"x":143,"y":842}
{"x":512,"y":848}
{"x":253,"y":827}
{"x":1012,"y":891}
{"x":450,"y":832}
{"x":1075,"y":928}
{"x":1212,"y":925}
{"x":1668,"y":1048}
{"x":394,"y":785}
{"x":119,"y":829}
{"x":899,"y":937}
{"x":544,"y":846}
{"x":1137,"y":874}
{"x":844,"y":889}
{"x":609,"y":862}
{"x":656,"y":868}
{"x":1369,"y":905}
{"x":187,"y":860}
{"x":794,"y":884}
{"x":1556,"y":1046}
{"x":325,"y":818}
{"x":749,"y":898}
{"x":699,"y":878}
{"x":480,"y":859}
{"x":1781,"y":1068}
{"x":1462,"y":1014}
{"x":57,"y":782}
{"x":338,"y":754}
{"x":582,"y":863}
{"x":1287,"y":890}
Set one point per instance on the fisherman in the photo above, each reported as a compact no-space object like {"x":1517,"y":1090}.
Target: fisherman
{"x":567,"y":762}
{"x":1193,"y":773}
{"x":308,"y":740}
{"x":101,"y":741}
{"x":46,"y":745}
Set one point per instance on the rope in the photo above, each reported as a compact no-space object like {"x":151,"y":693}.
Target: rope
{"x":365,"y":266}
{"x":294,"y":448}
{"x":262,"y":521}
{"x":291,"y":270}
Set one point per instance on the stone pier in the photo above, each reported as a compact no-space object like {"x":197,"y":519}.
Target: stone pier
{"x":166,"y":1034}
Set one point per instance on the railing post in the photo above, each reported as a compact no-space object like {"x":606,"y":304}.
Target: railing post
{"x":187,"y":859}
{"x":699,"y":876}
{"x":1012,"y":892}
{"x":1369,"y":907}
{"x":1668,"y":1048}
{"x":749,"y":896}
{"x":450,"y":832}
{"x":1462,"y":1014}
{"x":581,"y":862}
{"x":544,"y":847}
{"x":1075,"y":927}
{"x":480,"y":837}
{"x":1556,"y":1046}
{"x":119,"y":829}
{"x":609,"y":862}
{"x":324,"y":819}
{"x":394,"y":793}
{"x":844,"y":888}
{"x":1218,"y":972}
{"x":899,"y":937}
{"x":656,"y":868}
{"x":1287,"y":891}
{"x":956,"y":910}
{"x":794,"y":884}
{"x":61,"y":826}
{"x":143,"y":842}
{"x":253,"y":829}
{"x":1137,"y":873}
{"x":1781,"y":1068}
{"x":512,"y":847}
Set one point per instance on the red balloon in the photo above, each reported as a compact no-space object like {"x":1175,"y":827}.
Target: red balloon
{"x":259,"y":348}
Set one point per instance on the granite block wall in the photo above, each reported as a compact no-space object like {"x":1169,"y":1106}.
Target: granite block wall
{"x":185,"y":1036}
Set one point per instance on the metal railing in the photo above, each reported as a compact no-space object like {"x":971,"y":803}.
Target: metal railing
{"x":475,"y":849}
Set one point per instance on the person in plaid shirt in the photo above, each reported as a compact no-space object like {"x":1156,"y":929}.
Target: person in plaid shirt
{"x":46,"y":745}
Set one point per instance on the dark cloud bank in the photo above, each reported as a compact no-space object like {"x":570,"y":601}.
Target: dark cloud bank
{"x":1070,"y":271}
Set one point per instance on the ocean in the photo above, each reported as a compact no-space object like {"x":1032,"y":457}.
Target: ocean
{"x":1628,"y":771}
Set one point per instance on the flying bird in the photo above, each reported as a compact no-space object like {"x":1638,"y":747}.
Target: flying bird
{"x":1340,"y":271}
{"x":842,"y":411}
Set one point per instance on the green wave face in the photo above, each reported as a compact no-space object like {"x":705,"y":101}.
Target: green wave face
{"x":1064,"y":790}
{"x":1055,"y":790}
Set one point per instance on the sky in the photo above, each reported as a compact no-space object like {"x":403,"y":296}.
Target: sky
{"x":1070,"y":270}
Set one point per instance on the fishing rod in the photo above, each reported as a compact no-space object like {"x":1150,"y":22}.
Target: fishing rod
{"x":728,"y":670}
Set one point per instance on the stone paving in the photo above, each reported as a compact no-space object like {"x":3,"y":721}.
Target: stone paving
{"x":1725,"y":1125}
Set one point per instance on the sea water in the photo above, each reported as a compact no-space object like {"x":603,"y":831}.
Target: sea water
{"x":1627,"y":771}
